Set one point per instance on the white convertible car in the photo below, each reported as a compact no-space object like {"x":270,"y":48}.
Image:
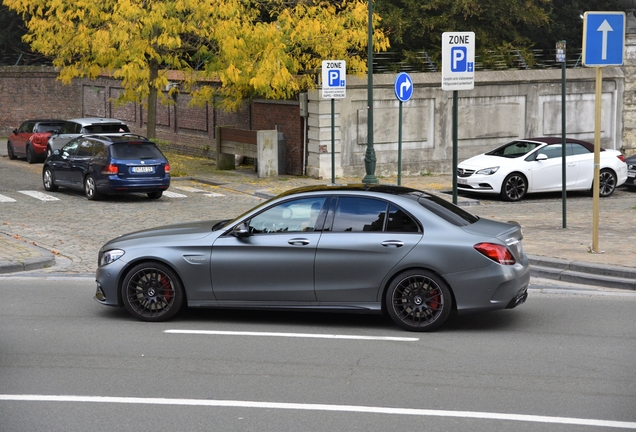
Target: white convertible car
{"x":534,"y":165}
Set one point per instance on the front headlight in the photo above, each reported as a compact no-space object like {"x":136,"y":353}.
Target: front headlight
{"x":111,"y":256}
{"x":487,"y":171}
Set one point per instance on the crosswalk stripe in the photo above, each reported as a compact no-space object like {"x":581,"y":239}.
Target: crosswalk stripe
{"x":39,"y":195}
{"x":213,"y":194}
{"x":189,"y":189}
{"x":6,"y":199}
{"x":174,"y":195}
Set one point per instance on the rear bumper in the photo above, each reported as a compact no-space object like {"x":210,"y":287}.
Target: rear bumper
{"x":116,"y":185}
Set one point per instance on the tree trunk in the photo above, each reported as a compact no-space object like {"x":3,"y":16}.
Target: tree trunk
{"x":151,"y":120}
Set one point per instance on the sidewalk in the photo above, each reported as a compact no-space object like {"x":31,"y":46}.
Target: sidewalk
{"x":555,"y":253}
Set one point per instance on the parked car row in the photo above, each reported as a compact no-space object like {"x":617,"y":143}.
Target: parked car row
{"x":97,"y":155}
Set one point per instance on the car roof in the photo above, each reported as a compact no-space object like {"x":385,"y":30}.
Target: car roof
{"x":117,"y":137}
{"x":358,"y":187}
{"x":559,"y":140}
{"x":95,"y":120}
{"x":44,"y":121}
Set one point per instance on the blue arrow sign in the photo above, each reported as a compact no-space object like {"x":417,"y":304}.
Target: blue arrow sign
{"x":603,"y":38}
{"x":403,"y":87}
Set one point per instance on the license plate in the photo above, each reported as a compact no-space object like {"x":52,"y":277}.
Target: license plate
{"x":631,"y":174}
{"x":462,"y":181}
{"x":142,"y":169}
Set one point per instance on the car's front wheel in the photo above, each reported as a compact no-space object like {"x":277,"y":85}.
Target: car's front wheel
{"x":607,"y":183}
{"x":49,"y":182}
{"x":151,"y":291}
{"x":418,"y":300}
{"x":90,"y":188}
{"x":514,"y":187}
{"x":10,"y":151}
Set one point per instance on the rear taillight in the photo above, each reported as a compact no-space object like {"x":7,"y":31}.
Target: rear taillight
{"x":498,"y":253}
{"x":110,"y":169}
{"x":621,"y":157}
{"x":166,"y":168}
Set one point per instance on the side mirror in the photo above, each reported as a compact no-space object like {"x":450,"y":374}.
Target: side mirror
{"x":15,"y":131}
{"x":241,"y":230}
{"x":541,"y":157}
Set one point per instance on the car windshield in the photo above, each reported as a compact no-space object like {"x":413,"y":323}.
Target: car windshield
{"x":514,"y":149}
{"x":135,"y":151}
{"x":106,"y":128}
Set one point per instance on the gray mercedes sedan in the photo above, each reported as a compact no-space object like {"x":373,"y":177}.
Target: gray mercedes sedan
{"x":357,"y":248}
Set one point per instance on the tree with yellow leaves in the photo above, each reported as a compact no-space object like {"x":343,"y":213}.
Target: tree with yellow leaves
{"x":251,"y":47}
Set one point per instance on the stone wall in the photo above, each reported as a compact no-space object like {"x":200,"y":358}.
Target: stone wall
{"x":504,"y":105}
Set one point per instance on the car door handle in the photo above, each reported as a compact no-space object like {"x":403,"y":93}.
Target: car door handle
{"x":393,"y":243}
{"x":298,"y":241}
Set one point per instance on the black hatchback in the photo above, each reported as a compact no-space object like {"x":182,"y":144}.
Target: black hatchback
{"x":108,"y":164}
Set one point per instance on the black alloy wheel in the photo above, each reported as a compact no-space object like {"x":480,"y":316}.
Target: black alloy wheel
{"x":10,"y":151}
{"x":48,"y":180}
{"x":418,"y":300}
{"x":514,"y":187}
{"x":151,"y":291}
{"x":607,"y":183}
{"x":90,"y":188}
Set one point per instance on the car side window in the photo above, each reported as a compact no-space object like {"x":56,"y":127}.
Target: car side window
{"x":85,"y":148}
{"x":356,"y":214}
{"x":99,"y":149}
{"x":70,"y":149}
{"x":577,"y":149}
{"x":70,"y":128}
{"x":299,"y":215}
{"x":551,"y":151}
{"x":399,"y":221}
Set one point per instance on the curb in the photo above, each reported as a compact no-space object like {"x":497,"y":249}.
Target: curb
{"x":47,"y":259}
{"x":583,"y":272}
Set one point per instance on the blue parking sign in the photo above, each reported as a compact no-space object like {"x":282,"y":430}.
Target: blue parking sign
{"x":603,"y":38}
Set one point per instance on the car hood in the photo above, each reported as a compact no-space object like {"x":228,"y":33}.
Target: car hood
{"x":182,"y":232}
{"x":482,"y":161}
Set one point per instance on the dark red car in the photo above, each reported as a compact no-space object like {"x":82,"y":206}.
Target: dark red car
{"x":30,"y":139}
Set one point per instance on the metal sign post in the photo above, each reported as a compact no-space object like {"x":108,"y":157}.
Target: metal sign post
{"x":403,"y":87}
{"x":603,"y":45}
{"x":458,"y":73}
{"x":560,"y":58}
{"x":334,"y":86}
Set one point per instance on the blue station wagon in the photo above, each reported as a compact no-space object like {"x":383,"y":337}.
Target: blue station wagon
{"x":108,"y":164}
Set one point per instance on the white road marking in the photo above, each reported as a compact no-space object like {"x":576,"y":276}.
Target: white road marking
{"x":39,"y":195}
{"x":214,"y":195}
{"x":325,"y":407}
{"x":189,"y":189}
{"x":174,"y":195}
{"x":6,"y":199}
{"x":292,"y":335}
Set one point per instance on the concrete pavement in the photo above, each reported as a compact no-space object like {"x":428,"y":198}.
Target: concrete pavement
{"x":555,"y":252}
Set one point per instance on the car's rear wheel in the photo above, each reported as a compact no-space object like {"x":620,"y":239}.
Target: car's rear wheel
{"x":155,"y":195}
{"x":90,"y":188}
{"x":48,"y":180}
{"x":607,"y":183}
{"x":514,"y":187}
{"x":418,"y":300}
{"x":30,"y":155}
{"x":10,"y":151}
{"x":152,"y":292}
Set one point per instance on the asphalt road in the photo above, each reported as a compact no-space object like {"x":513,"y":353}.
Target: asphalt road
{"x":564,"y":361}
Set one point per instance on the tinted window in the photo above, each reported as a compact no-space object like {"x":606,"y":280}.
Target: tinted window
{"x":70,"y":128}
{"x":399,"y":221}
{"x":99,"y":150}
{"x":27,"y":127}
{"x":577,"y":149}
{"x":291,"y":216}
{"x":552,"y":151}
{"x":48,"y":127}
{"x":354,"y":214}
{"x":105,"y":128}
{"x":85,"y":148}
{"x":514,"y":149}
{"x":135,"y":151}
{"x":447,"y":210}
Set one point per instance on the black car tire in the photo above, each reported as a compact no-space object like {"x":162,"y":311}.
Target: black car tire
{"x":151,"y":291}
{"x":48,"y":180}
{"x":607,"y":183}
{"x":90,"y":188}
{"x":418,"y":300}
{"x":155,"y":195}
{"x":31,"y":157}
{"x":514,"y":187}
{"x":10,"y":151}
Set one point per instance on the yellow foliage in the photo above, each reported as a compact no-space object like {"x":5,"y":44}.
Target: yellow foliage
{"x":222,"y":47}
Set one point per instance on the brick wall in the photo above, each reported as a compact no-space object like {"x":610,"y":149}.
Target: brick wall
{"x":34,"y":92}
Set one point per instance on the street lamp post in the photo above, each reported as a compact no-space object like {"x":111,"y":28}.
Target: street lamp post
{"x":369,"y":156}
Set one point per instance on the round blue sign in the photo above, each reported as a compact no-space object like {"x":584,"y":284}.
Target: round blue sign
{"x":403,"y":87}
